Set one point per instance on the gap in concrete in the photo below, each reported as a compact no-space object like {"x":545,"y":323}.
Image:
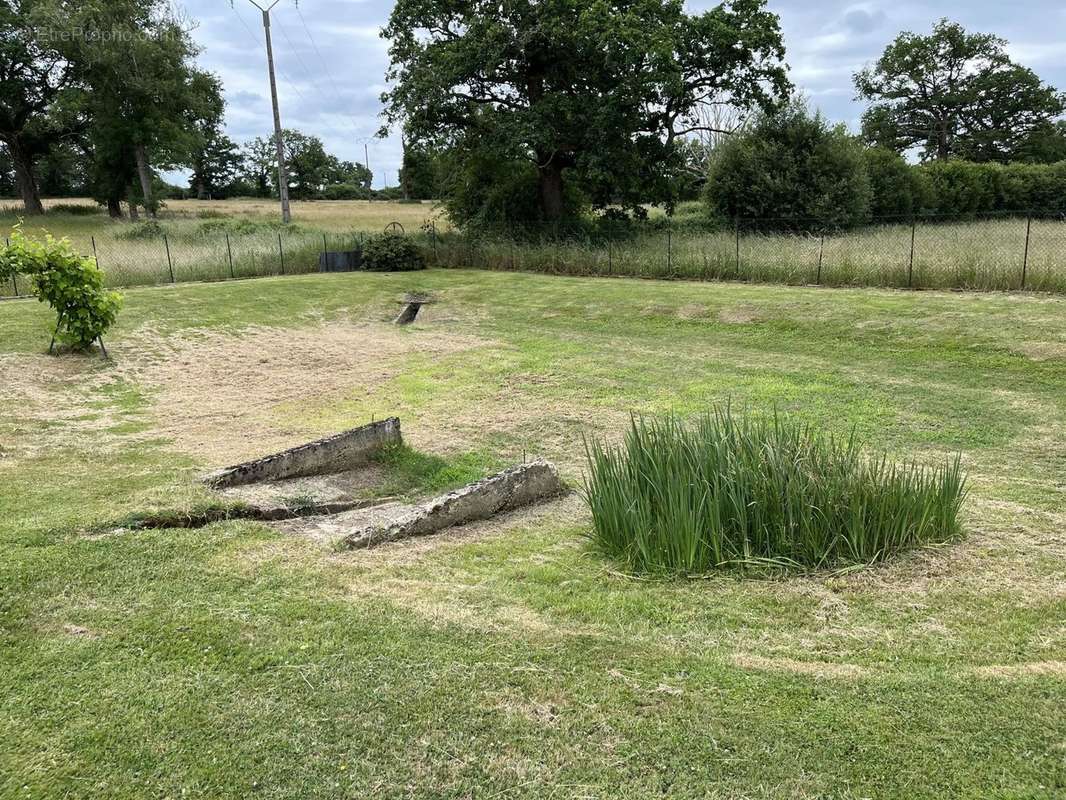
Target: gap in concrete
{"x":412,"y":304}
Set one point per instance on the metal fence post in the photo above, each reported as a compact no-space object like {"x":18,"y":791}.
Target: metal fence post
{"x":610,"y":255}
{"x":14,"y":280}
{"x":433,"y":234}
{"x":736,"y":227}
{"x":821,"y":249}
{"x":910,"y":263}
{"x":1025,"y":258}
{"x":669,"y":252}
{"x":510,"y":240}
{"x":170,"y":261}
{"x":96,"y":258}
{"x":229,"y":255}
{"x":281,"y":252}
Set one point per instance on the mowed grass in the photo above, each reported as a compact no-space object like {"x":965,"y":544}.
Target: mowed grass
{"x":509,"y":660}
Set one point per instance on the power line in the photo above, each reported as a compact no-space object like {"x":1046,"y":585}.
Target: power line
{"x":364,"y":140}
{"x":325,"y":67}
{"x":299,"y":60}
{"x":260,"y":43}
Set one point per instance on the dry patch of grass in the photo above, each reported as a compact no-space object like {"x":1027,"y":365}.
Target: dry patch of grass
{"x":217,"y":394}
{"x":44,"y":402}
{"x":740,"y":315}
{"x":1025,"y":670}
{"x":815,"y":669}
{"x":1043,"y":351}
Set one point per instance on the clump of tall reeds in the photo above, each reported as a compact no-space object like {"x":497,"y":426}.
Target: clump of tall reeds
{"x":732,"y":490}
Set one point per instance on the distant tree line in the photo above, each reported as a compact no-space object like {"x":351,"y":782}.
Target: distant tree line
{"x":540,"y":112}
{"x":983,"y":129}
{"x":570,"y":108}
{"x":99,"y":97}
{"x":222,"y":169}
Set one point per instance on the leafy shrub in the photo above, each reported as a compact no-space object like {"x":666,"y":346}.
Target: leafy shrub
{"x":896,"y":188}
{"x":677,"y":498}
{"x":210,"y":213}
{"x":345,"y":191}
{"x":71,"y":284}
{"x":791,"y":170}
{"x":961,"y":187}
{"x":1033,"y":187}
{"x":150,"y":229}
{"x":391,"y":252}
{"x":75,"y":209}
{"x":245,"y":227}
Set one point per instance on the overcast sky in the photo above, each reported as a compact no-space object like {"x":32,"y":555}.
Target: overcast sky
{"x":331,"y":61}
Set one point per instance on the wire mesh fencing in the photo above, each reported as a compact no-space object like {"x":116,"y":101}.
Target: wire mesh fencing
{"x":1003,"y":251}
{"x":982,"y":253}
{"x":153,"y":260}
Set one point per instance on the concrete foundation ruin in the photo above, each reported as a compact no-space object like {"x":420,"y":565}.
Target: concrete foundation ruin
{"x":342,"y":451}
{"x":505,"y":491}
{"x":314,"y":488}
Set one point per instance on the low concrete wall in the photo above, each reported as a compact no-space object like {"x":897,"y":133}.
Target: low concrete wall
{"x":513,"y":488}
{"x":335,"y":453}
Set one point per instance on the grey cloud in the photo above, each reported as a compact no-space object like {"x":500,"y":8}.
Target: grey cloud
{"x":331,"y":72}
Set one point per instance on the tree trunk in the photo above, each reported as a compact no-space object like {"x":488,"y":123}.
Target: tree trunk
{"x":140,"y":155}
{"x":943,"y":150}
{"x":551,"y":190}
{"x":134,"y":215}
{"x":25,"y":177}
{"x":114,"y":208}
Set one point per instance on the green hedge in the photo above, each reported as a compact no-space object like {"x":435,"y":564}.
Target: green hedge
{"x":962,"y":188}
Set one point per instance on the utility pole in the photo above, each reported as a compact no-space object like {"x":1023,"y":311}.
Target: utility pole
{"x":366,"y":163}
{"x":283,"y":173}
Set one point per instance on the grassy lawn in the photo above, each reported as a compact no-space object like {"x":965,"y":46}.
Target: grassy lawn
{"x":506,"y":659}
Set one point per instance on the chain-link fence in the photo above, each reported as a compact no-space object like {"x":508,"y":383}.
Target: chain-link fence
{"x":1000,"y":251}
{"x":990,"y":252}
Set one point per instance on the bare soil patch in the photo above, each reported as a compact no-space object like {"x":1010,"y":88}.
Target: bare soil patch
{"x":217,"y":393}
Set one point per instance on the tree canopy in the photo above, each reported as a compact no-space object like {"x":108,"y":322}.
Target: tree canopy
{"x":602,"y":91}
{"x":36,"y":75}
{"x":955,"y":95}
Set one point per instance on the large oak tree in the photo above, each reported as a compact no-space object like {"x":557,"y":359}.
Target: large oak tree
{"x":955,"y":95}
{"x":36,"y":76}
{"x":600,"y":89}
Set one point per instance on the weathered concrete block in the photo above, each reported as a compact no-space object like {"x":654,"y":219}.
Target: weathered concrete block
{"x":336,"y":453}
{"x":513,"y":488}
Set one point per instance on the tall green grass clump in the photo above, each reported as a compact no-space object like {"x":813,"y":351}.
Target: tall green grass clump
{"x":729,"y":489}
